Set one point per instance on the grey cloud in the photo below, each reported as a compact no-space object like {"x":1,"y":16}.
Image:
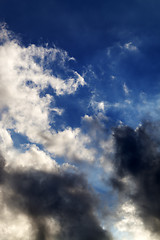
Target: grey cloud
{"x":65,"y":197}
{"x":138,"y":158}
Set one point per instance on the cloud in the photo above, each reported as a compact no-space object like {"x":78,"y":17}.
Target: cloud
{"x":72,"y":144}
{"x":40,"y":198}
{"x":95,"y":126}
{"x":125,"y":89}
{"x":129,"y":225}
{"x":101,"y":140}
{"x":137,"y":158}
{"x":129,"y":46}
{"x":25,"y":72}
{"x":27,"y":108}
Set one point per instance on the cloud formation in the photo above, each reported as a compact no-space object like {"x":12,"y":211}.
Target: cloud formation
{"x":25,"y":73}
{"x":40,"y":199}
{"x":52,"y":199}
{"x":26,"y":107}
{"x":137,"y":164}
{"x":65,"y":197}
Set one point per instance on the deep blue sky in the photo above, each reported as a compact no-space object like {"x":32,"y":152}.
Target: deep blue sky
{"x":84,"y":27}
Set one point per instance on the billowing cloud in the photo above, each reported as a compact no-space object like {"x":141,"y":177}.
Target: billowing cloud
{"x":130,"y":225}
{"x":39,"y":197}
{"x":25,"y":72}
{"x":137,"y":163}
{"x":71,"y":144}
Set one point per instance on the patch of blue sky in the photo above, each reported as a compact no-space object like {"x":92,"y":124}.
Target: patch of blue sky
{"x":74,"y":107}
{"x":20,"y":141}
{"x":95,"y":176}
{"x":132,"y":68}
{"x":107,"y":72}
{"x":30,"y":83}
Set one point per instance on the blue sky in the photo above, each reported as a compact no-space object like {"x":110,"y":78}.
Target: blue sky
{"x":79,"y":84}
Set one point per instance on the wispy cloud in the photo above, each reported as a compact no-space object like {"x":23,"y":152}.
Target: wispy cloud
{"x":126,"y":90}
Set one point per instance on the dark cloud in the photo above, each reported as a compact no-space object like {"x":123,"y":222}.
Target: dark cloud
{"x":65,"y":197}
{"x":138,"y":157}
{"x":2,"y":164}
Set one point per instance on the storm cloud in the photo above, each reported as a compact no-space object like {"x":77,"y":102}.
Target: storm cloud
{"x":137,"y":159}
{"x":65,"y":197}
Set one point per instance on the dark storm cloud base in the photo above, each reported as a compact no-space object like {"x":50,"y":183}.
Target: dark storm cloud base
{"x":138,"y":157}
{"x":64,"y":197}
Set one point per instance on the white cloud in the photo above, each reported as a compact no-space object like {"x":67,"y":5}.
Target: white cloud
{"x":113,"y":77}
{"x":24,"y":73}
{"x":71,"y":144}
{"x":130,"y":46}
{"x":33,"y":157}
{"x":130,"y":225}
{"x":101,"y":106}
{"x":98,"y":106}
{"x":126,"y":89}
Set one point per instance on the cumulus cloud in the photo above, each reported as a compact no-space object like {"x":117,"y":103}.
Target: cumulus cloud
{"x":71,"y":143}
{"x":41,"y":199}
{"x":137,"y":158}
{"x":130,"y":225}
{"x":24,"y":73}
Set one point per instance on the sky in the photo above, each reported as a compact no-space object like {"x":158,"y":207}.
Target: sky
{"x":79,"y":120}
